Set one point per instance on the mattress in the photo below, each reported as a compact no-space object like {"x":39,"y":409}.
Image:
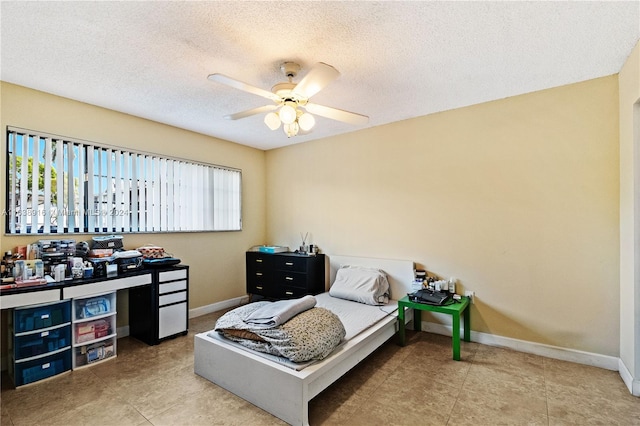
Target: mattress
{"x":356,"y":317}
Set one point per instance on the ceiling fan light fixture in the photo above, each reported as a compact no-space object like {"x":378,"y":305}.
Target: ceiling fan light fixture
{"x":291,"y":129}
{"x":306,"y":121}
{"x":272,"y":120}
{"x":287,"y":114}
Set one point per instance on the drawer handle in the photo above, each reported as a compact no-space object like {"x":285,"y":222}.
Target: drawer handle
{"x":288,"y":293}
{"x":289,"y":263}
{"x":258,"y":260}
{"x":259,"y":288}
{"x":45,"y":366}
{"x":288,"y":278}
{"x":44,"y":334}
{"x":259,"y":274}
{"x":45,"y":316}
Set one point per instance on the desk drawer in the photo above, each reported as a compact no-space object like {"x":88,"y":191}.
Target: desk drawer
{"x":172,"y":320}
{"x":168,"y":299}
{"x":106,"y":286}
{"x":172,"y":286}
{"x":179,"y":274}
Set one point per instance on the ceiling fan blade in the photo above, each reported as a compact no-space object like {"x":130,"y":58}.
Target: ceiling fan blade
{"x":221,"y":78}
{"x":249,"y":112}
{"x":316,"y":79}
{"x":337,"y":114}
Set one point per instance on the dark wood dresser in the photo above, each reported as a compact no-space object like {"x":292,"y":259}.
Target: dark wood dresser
{"x":284,"y":275}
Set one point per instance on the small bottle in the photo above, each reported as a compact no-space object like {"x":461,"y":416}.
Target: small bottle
{"x":19,"y":270}
{"x":452,"y":285}
{"x":39,"y":269}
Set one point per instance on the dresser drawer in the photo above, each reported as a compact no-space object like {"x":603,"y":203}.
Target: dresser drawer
{"x":257,"y":276}
{"x":291,"y":279}
{"x":262,"y":289}
{"x":290,"y":263}
{"x":286,"y":292}
{"x":256,"y":260}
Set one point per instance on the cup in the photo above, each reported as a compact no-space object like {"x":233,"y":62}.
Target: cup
{"x":59,"y":272}
{"x":88,"y":272}
{"x":77,"y":272}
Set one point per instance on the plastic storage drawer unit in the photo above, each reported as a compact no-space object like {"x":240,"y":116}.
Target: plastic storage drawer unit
{"x":40,"y":342}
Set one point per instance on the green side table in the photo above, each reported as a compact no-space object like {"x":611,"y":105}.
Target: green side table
{"x":460,"y":308}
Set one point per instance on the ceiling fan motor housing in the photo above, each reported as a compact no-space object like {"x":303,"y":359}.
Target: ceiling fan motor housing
{"x":290,"y":69}
{"x":283,"y":89}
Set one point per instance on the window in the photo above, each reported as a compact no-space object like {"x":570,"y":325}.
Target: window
{"x":60,"y":185}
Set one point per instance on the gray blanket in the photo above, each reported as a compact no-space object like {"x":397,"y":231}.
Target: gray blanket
{"x":277,"y":313}
{"x":312,"y":334}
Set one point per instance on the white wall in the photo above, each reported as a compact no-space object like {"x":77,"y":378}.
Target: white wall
{"x":629,"y":106}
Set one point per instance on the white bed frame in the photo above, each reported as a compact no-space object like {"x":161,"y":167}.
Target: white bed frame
{"x":285,"y":392}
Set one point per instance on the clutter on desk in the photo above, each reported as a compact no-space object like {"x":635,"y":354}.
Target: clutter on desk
{"x":114,"y":242}
{"x":128,"y":260}
{"x":154,"y":256}
{"x":151,"y":251}
{"x":60,"y":260}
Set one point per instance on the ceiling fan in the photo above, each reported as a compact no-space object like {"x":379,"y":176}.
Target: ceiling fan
{"x":292,"y":100}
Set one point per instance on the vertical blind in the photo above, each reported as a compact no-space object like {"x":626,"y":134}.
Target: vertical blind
{"x":61,"y":185}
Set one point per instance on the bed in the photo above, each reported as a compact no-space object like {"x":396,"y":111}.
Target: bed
{"x":253,"y":376}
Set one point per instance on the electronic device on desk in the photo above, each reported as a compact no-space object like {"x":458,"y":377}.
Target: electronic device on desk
{"x":128,"y":260}
{"x":430,"y":297}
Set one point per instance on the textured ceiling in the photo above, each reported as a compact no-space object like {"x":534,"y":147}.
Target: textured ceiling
{"x":397,"y":59}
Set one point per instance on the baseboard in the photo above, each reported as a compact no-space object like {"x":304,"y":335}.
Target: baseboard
{"x":122,"y":331}
{"x":218,"y":306}
{"x":564,"y":354}
{"x":555,"y":352}
{"x":632,"y":384}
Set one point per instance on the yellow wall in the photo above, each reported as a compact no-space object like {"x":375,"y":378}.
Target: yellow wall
{"x":517,"y":198}
{"x":216,"y":258}
{"x":630,"y":214}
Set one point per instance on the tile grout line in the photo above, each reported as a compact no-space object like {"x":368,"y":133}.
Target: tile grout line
{"x":473,"y":356}
{"x":546,"y":389}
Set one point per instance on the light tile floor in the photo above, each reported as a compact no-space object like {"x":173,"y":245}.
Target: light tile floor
{"x":418,"y":384}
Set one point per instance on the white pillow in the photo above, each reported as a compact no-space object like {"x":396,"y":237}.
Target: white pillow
{"x":364,"y":285}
